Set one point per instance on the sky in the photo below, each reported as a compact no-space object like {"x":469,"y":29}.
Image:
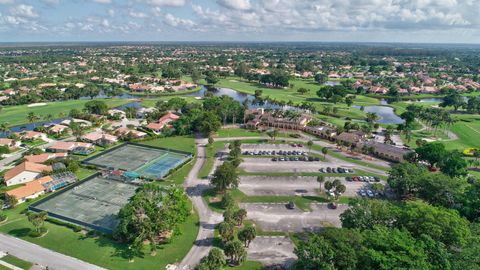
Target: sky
{"x":415,"y":21}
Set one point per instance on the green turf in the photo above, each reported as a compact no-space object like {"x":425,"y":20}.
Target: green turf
{"x":17,"y":262}
{"x":16,"y":115}
{"x":182,"y":143}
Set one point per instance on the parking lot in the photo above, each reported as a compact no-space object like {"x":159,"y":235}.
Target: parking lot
{"x":255,"y":185}
{"x":272,"y":251}
{"x":273,"y":147}
{"x":267,"y":165}
{"x":276,"y":217}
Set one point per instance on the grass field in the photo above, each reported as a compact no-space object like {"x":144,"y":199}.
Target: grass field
{"x":17,"y":262}
{"x":182,"y":143}
{"x":467,"y":132}
{"x":16,"y":115}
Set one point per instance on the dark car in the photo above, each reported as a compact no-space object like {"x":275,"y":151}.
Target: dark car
{"x":329,"y":170}
{"x":377,"y":179}
{"x":332,"y":205}
{"x":274,"y":159}
{"x":290,"y":205}
{"x":348,"y":178}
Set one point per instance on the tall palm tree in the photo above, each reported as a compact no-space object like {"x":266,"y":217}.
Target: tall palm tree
{"x":32,"y":118}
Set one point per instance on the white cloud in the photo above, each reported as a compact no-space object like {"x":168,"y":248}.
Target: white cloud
{"x":7,"y":1}
{"x":175,"y":21}
{"x":24,"y":11}
{"x":137,"y":14}
{"x":169,"y":3}
{"x":103,"y":1}
{"x":111,"y":12}
{"x":235,"y":4}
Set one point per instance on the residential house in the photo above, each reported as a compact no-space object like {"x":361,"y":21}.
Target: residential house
{"x":68,"y":147}
{"x":100,"y":138}
{"x":57,"y":129}
{"x":42,"y":185}
{"x":24,"y":172}
{"x":30,"y":190}
{"x":42,"y":158}
{"x":10,"y":143}
{"x":125,"y":132}
{"x":162,"y":122}
{"x":31,"y":135}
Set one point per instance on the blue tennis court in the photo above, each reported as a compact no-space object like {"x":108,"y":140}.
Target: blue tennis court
{"x":161,"y":166}
{"x":147,"y":161}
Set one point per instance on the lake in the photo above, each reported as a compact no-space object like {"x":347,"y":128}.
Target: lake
{"x":386,"y":114}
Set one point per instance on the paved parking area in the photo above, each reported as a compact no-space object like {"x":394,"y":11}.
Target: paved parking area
{"x":271,"y":147}
{"x":272,"y":251}
{"x":267,"y":165}
{"x":276,"y":217}
{"x":255,"y":185}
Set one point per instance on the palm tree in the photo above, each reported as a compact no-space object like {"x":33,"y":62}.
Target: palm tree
{"x":320,"y":180}
{"x":48,"y":117}
{"x":309,"y":144}
{"x":32,"y":118}
{"x":324,"y":151}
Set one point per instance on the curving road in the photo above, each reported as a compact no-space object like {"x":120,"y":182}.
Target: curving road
{"x":208,"y":219}
{"x":42,"y":256}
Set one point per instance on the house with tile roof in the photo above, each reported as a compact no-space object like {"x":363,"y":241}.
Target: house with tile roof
{"x":41,"y":158}
{"x":29,"y":190}
{"x":24,"y":172}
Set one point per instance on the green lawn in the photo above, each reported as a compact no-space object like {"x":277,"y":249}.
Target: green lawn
{"x":16,"y":115}
{"x":182,"y":143}
{"x":468,"y":132}
{"x":17,"y":262}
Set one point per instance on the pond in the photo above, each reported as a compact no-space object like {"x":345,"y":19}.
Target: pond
{"x":386,"y":114}
{"x":31,"y":126}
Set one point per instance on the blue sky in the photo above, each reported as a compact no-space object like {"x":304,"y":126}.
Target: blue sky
{"x":426,"y":21}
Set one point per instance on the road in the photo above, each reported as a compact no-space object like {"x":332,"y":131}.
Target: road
{"x":208,"y":219}
{"x":42,"y":256}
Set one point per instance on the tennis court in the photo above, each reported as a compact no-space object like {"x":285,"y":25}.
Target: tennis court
{"x":145,"y":160}
{"x":94,"y":203}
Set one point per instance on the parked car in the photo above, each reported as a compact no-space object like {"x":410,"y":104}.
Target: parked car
{"x":332,"y":205}
{"x":377,"y":179}
{"x":290,"y":205}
